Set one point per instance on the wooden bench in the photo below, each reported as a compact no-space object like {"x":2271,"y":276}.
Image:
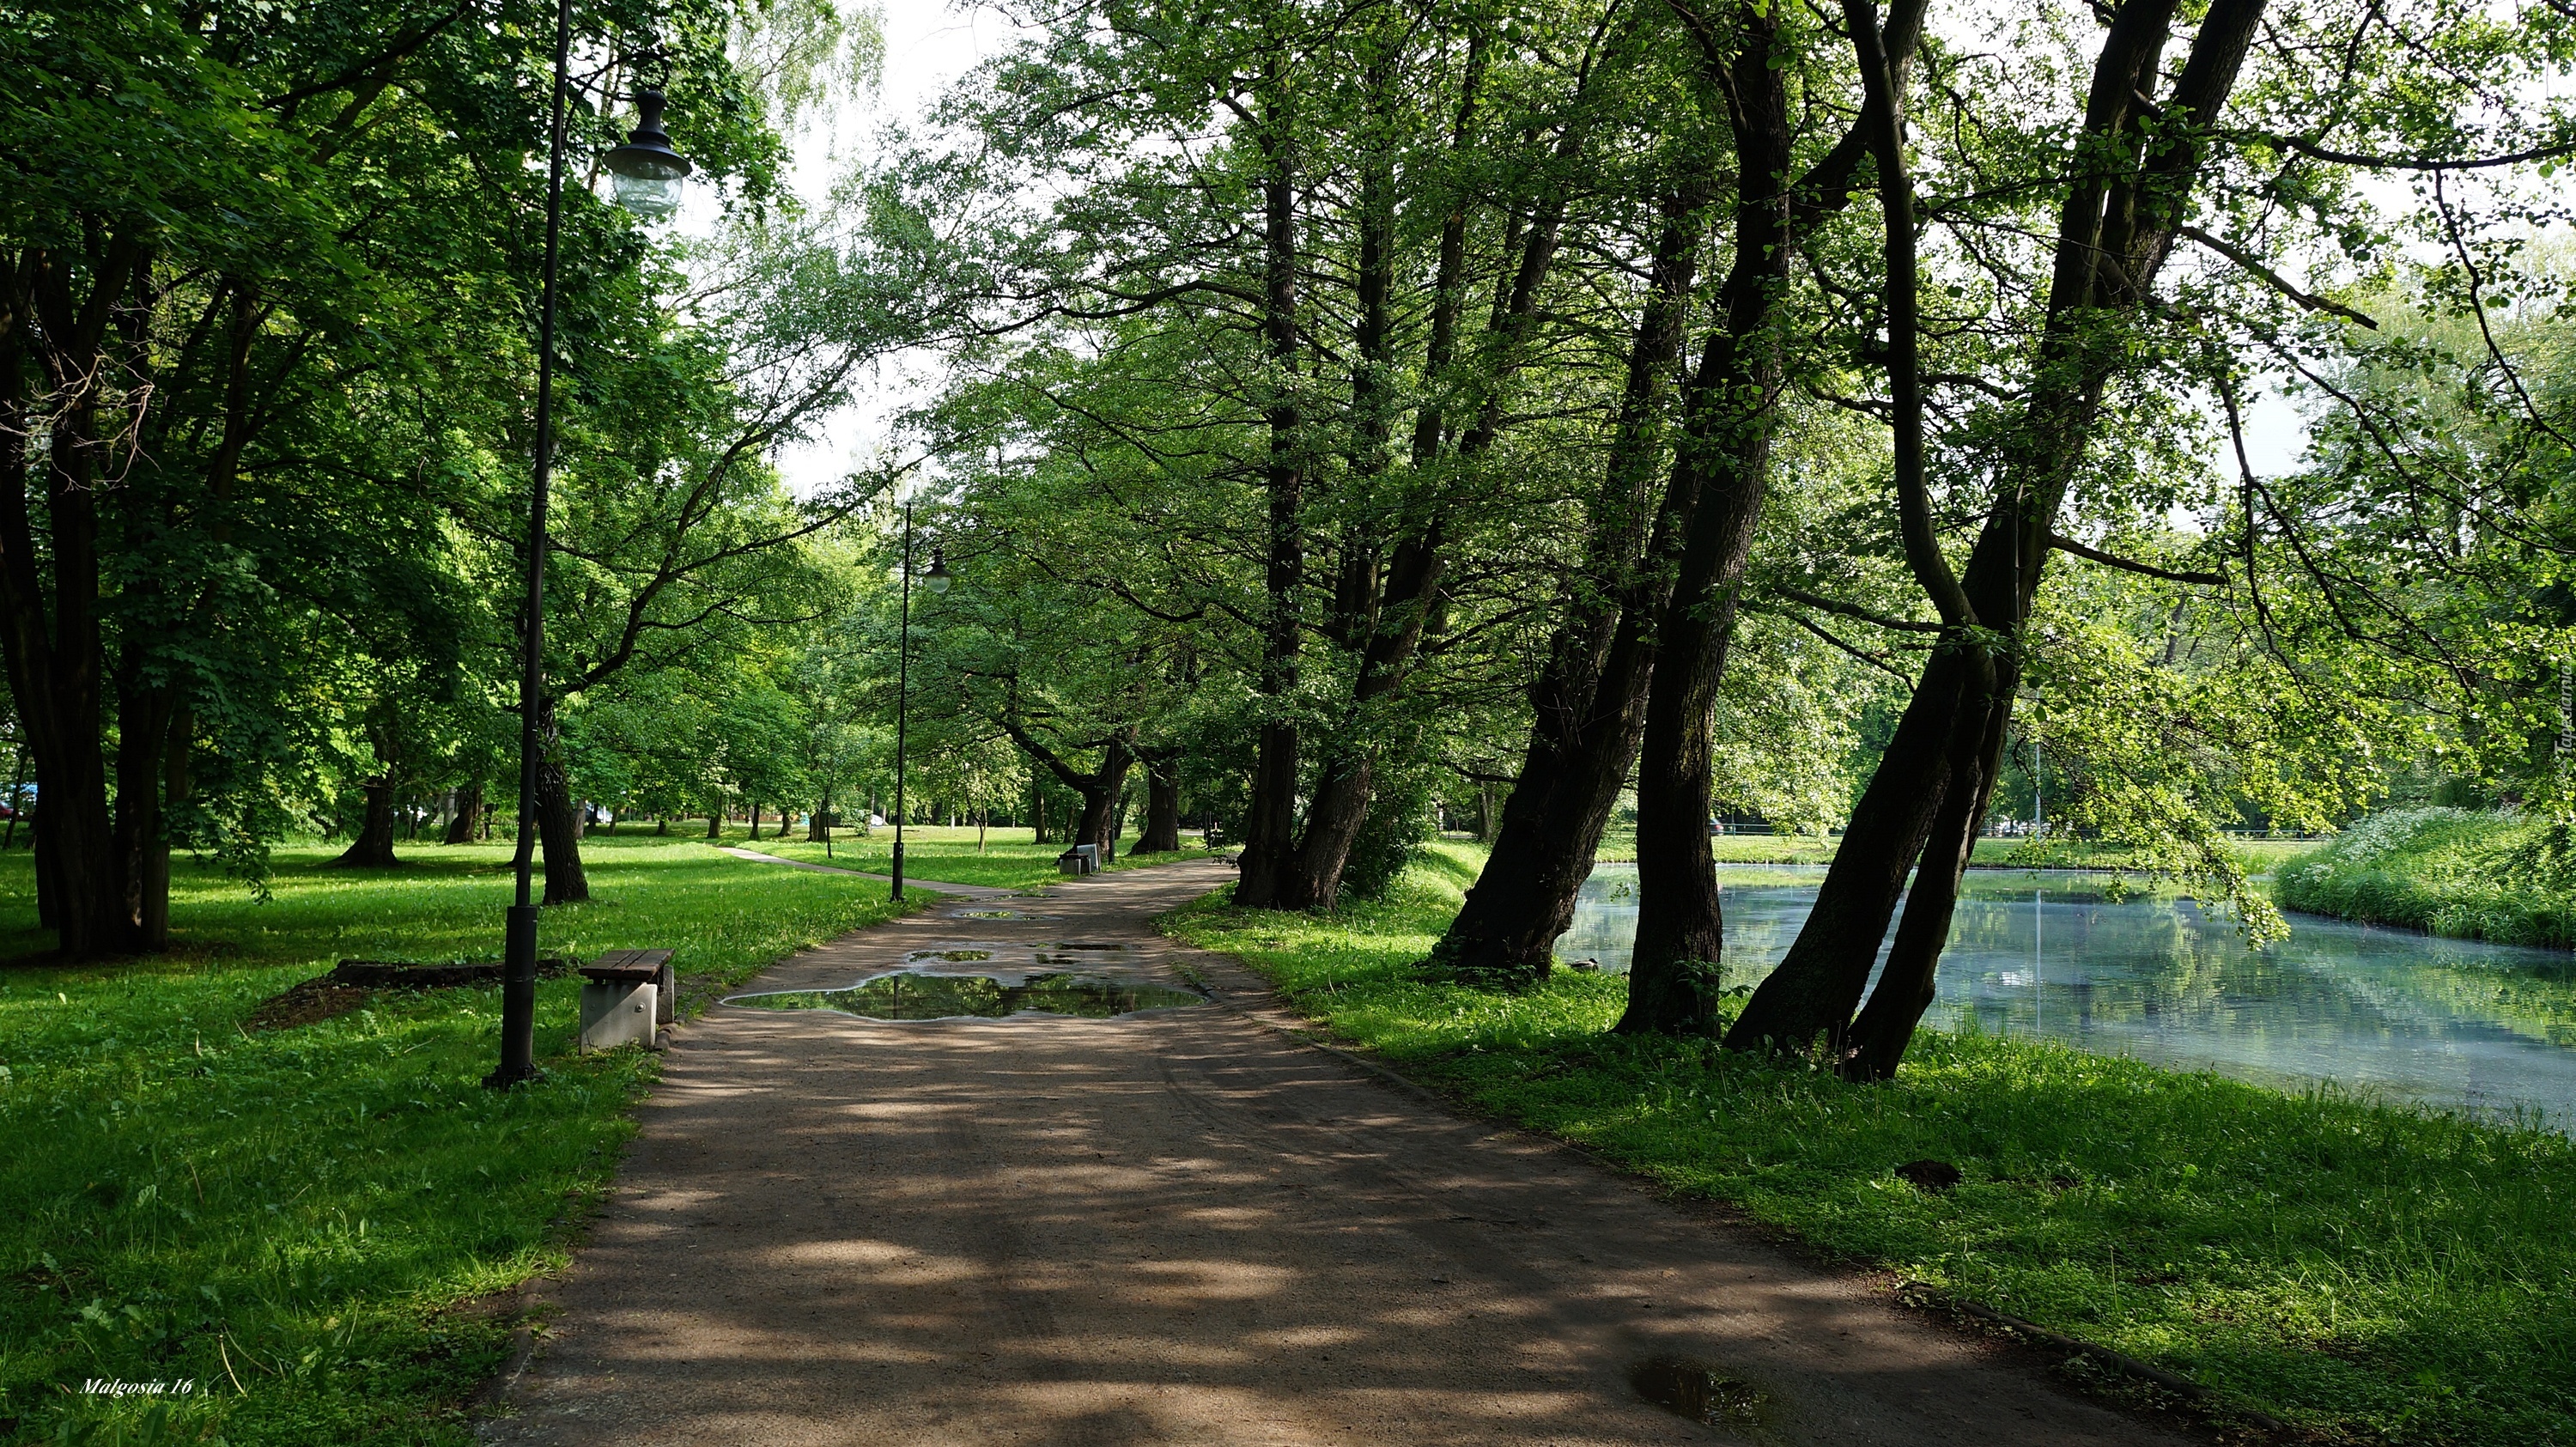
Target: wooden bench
{"x":627,"y":996}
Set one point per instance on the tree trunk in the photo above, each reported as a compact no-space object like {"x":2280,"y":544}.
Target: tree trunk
{"x":1674,"y":973}
{"x":1906,"y":985}
{"x":469,"y":809}
{"x":17,"y":801}
{"x":715,"y":822}
{"x":374,"y":846}
{"x":1588,"y":705}
{"x":558,"y":816}
{"x":1162,"y":803}
{"x":1269,"y":829}
{"x":144,"y":716}
{"x":2114,"y":231}
{"x":50,"y":627}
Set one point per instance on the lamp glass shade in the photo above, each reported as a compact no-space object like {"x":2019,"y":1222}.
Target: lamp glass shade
{"x":650,"y":197}
{"x":936,"y":580}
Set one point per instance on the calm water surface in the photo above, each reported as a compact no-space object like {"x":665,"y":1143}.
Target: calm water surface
{"x":2390,"y":1014}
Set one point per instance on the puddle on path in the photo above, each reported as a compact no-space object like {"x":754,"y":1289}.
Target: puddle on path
{"x":954,"y":957}
{"x":1698,"y":1391}
{"x":996,"y":914}
{"x":910,"y":995}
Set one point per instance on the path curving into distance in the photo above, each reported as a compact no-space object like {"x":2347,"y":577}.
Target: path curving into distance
{"x":1184,"y":1226}
{"x":928,"y":886}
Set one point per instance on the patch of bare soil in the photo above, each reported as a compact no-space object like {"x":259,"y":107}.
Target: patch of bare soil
{"x":354,"y":983}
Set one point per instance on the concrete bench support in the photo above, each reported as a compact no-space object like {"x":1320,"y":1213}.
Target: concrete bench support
{"x":618,"y":1012}
{"x":627,"y":996}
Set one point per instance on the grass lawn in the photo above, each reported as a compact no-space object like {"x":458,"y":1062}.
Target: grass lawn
{"x":2364,"y":1272}
{"x":286,"y":1219}
{"x":1008,"y":859}
{"x":2449,"y":872}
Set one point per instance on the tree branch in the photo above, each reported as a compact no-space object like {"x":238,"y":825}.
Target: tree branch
{"x":2065,"y":544}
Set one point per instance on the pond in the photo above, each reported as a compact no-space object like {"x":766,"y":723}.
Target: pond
{"x":2389,"y":1014}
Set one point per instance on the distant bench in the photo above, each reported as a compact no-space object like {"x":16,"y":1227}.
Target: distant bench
{"x":627,"y":996}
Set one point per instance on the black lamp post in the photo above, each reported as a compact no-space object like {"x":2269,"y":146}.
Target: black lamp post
{"x":647,"y":164}
{"x":936,"y":580}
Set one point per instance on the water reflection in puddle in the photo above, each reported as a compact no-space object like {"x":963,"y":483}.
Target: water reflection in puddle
{"x":2390,"y":1013}
{"x":1697,"y":1391}
{"x":912,"y":995}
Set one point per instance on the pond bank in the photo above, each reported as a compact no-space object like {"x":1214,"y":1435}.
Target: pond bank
{"x":2459,"y":873}
{"x":2358,"y":1270}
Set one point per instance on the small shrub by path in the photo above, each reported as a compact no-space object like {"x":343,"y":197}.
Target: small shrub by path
{"x":2454,"y":872}
{"x":2363,"y":1272}
{"x":290,"y":1219}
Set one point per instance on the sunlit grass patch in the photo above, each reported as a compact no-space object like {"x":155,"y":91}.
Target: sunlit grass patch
{"x":2363,"y":1271}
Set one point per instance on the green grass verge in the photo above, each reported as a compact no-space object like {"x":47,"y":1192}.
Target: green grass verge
{"x":2446,"y":871}
{"x":2364,"y":1272}
{"x":1008,"y":860}
{"x":289,"y":1219}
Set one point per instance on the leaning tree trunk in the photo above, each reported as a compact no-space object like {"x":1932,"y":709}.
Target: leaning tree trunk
{"x":1588,"y":705}
{"x":1906,"y":985}
{"x":2115,"y":228}
{"x":1674,"y":979}
{"x":558,"y":816}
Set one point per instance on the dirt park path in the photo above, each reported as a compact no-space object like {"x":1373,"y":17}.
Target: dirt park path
{"x":1175,"y":1227}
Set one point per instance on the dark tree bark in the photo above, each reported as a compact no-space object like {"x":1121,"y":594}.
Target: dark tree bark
{"x":558,"y":815}
{"x":374,"y":846}
{"x":2115,"y":229}
{"x":1578,"y":753}
{"x":1162,"y":801}
{"x":1589,"y":704}
{"x":1906,"y":986}
{"x":1269,"y":830}
{"x":50,"y":623}
{"x":469,"y":808}
{"x":1410,"y":595}
{"x":1674,"y":975}
{"x":715,"y":822}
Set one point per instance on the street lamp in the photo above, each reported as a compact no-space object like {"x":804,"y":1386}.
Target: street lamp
{"x":649,"y":173}
{"x":936,"y":580}
{"x":646,"y":156}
